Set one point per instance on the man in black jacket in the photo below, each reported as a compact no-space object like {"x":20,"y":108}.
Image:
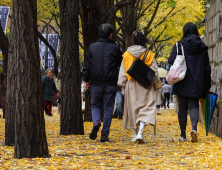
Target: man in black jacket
{"x":103,"y":59}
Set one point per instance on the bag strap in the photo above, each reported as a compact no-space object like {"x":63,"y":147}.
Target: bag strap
{"x":181,"y":48}
{"x":145,"y":55}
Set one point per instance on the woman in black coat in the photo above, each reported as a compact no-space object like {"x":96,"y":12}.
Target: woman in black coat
{"x":48,"y":88}
{"x":197,"y":81}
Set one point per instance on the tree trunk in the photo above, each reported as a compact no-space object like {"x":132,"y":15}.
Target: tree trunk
{"x":71,"y":113}
{"x":4,"y":45}
{"x":24,"y":82}
{"x":92,"y":16}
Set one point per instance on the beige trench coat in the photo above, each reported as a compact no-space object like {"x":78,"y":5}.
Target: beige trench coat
{"x":140,"y":103}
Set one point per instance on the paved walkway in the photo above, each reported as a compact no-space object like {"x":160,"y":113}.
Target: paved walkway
{"x":78,"y":152}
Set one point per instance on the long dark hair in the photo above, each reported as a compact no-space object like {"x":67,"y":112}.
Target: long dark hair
{"x":138,"y":38}
{"x":190,"y":28}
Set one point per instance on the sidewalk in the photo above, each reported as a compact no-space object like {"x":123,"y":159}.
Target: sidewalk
{"x":78,"y":152}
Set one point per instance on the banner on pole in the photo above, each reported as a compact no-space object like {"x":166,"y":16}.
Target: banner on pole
{"x":4,"y":13}
{"x":53,"y":40}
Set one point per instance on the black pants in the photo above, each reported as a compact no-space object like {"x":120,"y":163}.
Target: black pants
{"x":186,"y":103}
{"x":166,"y":98}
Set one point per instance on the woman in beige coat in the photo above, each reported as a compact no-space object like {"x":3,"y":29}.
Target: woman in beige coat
{"x":140,"y":103}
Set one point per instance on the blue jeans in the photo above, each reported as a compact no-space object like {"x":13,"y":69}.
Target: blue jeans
{"x":119,"y":100}
{"x":106,"y":94}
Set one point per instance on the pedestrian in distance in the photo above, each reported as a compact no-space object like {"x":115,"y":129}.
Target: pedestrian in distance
{"x":175,"y":100}
{"x":49,"y":88}
{"x":158,"y":101}
{"x":197,"y":81}
{"x":165,"y":92}
{"x":140,"y":103}
{"x":101,"y":70}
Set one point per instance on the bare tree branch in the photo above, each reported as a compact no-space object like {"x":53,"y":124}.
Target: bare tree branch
{"x":46,"y":23}
{"x":164,"y":19}
{"x":152,"y":18}
{"x":164,"y":40}
{"x":118,"y":5}
{"x":160,"y":34}
{"x":124,"y":21}
{"x":141,"y":14}
{"x":52,"y":28}
{"x":80,"y":44}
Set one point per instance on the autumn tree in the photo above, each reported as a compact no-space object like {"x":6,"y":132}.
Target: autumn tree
{"x":71,"y":113}
{"x":24,"y":82}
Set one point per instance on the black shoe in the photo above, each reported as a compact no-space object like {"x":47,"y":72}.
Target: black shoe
{"x":164,"y":107}
{"x":95,"y":129}
{"x":168,"y":107}
{"x":158,"y":113}
{"x":104,"y":139}
{"x":120,"y":117}
{"x":49,"y":114}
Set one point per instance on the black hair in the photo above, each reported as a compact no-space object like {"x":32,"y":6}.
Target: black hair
{"x":105,"y":30}
{"x":190,"y":28}
{"x":139,"y":38}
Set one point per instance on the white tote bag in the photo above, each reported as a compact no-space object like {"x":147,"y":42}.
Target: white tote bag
{"x":178,"y":69}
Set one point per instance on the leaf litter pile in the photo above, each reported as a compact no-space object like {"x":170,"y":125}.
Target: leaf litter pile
{"x":78,"y":152}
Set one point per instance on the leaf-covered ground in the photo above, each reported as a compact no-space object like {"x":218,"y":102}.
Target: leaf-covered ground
{"x":78,"y":152}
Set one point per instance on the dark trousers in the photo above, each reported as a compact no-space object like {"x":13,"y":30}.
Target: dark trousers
{"x":166,"y":98}
{"x":49,"y":103}
{"x":106,"y":95}
{"x":186,"y":103}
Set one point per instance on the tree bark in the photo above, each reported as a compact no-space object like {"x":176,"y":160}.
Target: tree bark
{"x":71,"y":112}
{"x":24,"y":82}
{"x":4,"y":45}
{"x":92,"y":15}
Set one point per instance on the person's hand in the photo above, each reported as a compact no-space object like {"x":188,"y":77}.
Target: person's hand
{"x":86,"y":86}
{"x":57,"y":94}
{"x":123,"y":92}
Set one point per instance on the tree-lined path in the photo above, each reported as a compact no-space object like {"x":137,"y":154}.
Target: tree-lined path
{"x":78,"y":152}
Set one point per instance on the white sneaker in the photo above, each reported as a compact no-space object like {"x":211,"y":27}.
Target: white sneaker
{"x":139,"y":137}
{"x":134,"y":138}
{"x":193,"y":134}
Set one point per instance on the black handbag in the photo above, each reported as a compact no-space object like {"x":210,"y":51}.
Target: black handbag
{"x":142,"y":73}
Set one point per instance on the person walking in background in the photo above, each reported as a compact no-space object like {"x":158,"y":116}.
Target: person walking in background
{"x":59,"y":89}
{"x":175,"y":100}
{"x":197,"y":81}
{"x":102,"y":68}
{"x":48,"y":88}
{"x":158,"y":101}
{"x":165,"y":92}
{"x":140,"y":103}
{"x":119,"y":100}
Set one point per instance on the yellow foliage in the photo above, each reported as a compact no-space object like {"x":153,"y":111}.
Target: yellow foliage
{"x":161,"y":59}
{"x":185,"y":11}
{"x":79,"y":152}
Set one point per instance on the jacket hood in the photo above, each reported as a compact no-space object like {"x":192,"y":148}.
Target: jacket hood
{"x":193,"y":44}
{"x":136,"y":50}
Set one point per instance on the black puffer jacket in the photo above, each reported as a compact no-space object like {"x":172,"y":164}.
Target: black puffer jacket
{"x":103,"y":59}
{"x":197,"y":81}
